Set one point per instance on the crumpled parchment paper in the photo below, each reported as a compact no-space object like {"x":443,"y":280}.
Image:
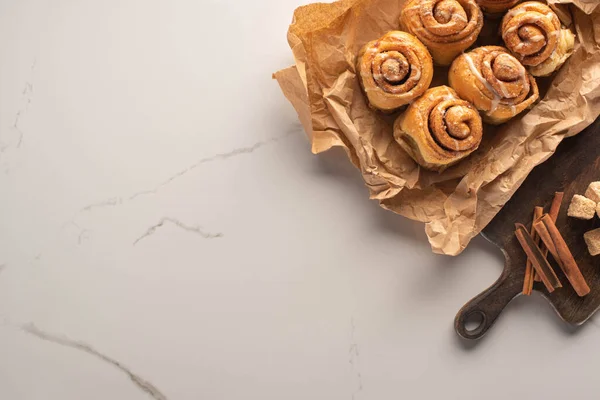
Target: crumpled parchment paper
{"x":457,"y":204}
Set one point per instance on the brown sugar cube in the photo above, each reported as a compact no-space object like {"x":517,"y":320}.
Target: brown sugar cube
{"x":593,"y":192}
{"x":592,"y":239}
{"x":581,"y":207}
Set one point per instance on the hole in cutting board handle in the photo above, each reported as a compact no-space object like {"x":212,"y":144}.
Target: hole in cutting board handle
{"x":487,"y":306}
{"x":474,"y":322}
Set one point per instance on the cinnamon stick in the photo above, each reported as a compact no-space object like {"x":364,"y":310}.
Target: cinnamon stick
{"x":538,"y":261}
{"x":554,"y":210}
{"x":546,"y":238}
{"x":555,"y":206}
{"x":529,"y":271}
{"x":556,"y":244}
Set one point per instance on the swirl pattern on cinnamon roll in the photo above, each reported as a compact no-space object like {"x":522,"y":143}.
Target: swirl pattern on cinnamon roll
{"x":439,"y":129}
{"x":495,"y":7}
{"x":494,"y":81}
{"x":394,"y":70}
{"x":446,"y":27}
{"x":533,"y":33}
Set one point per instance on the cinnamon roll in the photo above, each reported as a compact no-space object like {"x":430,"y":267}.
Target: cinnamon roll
{"x":446,"y":27}
{"x":439,"y":129}
{"x":533,"y":33}
{"x":494,"y":81}
{"x":496,"y":7}
{"x":394,"y":70}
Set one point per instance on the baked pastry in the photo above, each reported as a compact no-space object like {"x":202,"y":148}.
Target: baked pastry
{"x":439,"y":129}
{"x":495,"y":7}
{"x":533,"y":33}
{"x":394,"y":70}
{"x":494,"y":81}
{"x":446,"y":27}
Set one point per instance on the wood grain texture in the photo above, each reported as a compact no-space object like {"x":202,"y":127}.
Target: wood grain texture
{"x":575,"y":164}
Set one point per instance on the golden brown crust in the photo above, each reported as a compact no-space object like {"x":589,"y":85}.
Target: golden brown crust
{"x":394,"y":70}
{"x":446,"y":27}
{"x":496,"y":6}
{"x":564,"y":49}
{"x":494,"y":81}
{"x":439,"y":129}
{"x":533,"y":33}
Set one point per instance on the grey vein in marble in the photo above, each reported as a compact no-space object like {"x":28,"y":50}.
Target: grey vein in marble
{"x":83,"y":232}
{"x":216,"y":157}
{"x":194,"y":229}
{"x":115,"y":201}
{"x":83,"y":235}
{"x":2,"y":267}
{"x":354,"y":355}
{"x":27,"y":95}
{"x":141,"y":383}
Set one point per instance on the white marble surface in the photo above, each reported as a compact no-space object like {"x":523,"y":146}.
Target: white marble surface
{"x":165,"y":232}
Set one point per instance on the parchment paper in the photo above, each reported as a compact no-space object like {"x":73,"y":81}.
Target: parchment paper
{"x":457,"y":204}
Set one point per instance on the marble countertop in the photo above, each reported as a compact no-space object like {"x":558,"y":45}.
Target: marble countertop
{"x":165,"y":232}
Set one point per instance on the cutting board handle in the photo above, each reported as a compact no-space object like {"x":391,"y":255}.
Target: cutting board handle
{"x":488,"y":305}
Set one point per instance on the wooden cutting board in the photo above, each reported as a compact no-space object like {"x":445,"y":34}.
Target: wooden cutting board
{"x":575,"y":164}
